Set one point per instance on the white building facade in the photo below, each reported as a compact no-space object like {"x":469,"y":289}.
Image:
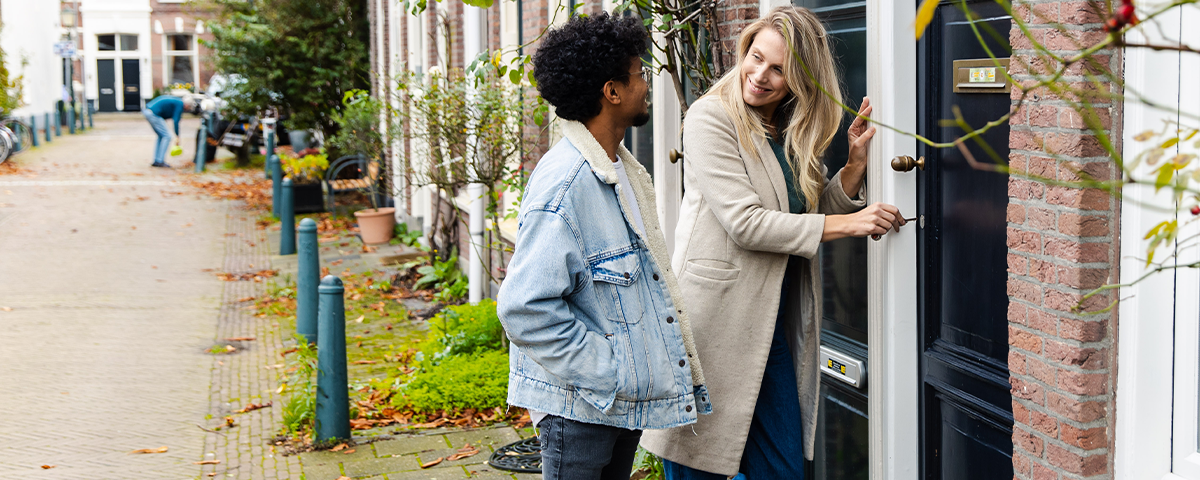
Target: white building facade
{"x":116,"y":44}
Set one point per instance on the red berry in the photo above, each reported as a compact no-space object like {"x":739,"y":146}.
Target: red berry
{"x":1196,"y":210}
{"x":1127,"y":14}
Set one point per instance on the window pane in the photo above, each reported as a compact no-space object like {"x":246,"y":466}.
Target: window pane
{"x":107,"y":43}
{"x":181,"y":70}
{"x":129,"y":43}
{"x":180,"y":42}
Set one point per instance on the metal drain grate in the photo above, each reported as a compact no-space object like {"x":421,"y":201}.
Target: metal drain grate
{"x":522,"y":456}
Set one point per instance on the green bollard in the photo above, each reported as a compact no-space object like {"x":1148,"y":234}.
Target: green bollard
{"x":71,"y":121}
{"x":287,"y":219}
{"x":33,"y":126}
{"x":47,"y":129}
{"x":276,"y":183}
{"x":57,"y":123}
{"x":91,"y":123}
{"x":308,"y":275}
{"x":333,"y":396}
{"x":202,"y":146}
{"x":270,"y":151}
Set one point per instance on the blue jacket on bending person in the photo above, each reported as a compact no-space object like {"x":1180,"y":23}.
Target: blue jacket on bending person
{"x":157,"y":112}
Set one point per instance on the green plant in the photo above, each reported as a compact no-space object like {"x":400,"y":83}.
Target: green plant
{"x":477,"y":381}
{"x":440,"y":274}
{"x":405,"y":236}
{"x":647,"y":464}
{"x":305,"y":169}
{"x":464,"y":330}
{"x":300,"y":407}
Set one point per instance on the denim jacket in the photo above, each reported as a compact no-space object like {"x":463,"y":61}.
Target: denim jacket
{"x":598,"y":330}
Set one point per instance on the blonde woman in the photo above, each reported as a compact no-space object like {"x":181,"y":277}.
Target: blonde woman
{"x":757,"y":207}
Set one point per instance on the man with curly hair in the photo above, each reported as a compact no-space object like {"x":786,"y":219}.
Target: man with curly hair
{"x":601,"y":344}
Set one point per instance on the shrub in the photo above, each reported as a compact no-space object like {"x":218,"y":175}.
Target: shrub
{"x":478,"y":381}
{"x":466,"y":329}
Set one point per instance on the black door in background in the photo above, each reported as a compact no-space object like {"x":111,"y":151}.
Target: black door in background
{"x":965,"y":404}
{"x":106,"y":77}
{"x":131,"y":77}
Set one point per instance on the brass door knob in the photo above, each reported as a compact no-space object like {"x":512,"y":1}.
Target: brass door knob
{"x":905,"y":163}
{"x":675,"y":155}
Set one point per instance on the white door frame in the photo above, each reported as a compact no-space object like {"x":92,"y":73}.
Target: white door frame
{"x":668,"y":177}
{"x":892,"y":384}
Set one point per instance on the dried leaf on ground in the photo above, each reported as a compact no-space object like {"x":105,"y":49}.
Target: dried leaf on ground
{"x":347,"y":452}
{"x":240,"y":339}
{"x":207,"y":462}
{"x":149,"y":450}
{"x":338,"y":448}
{"x":247,"y":276}
{"x":47,"y":467}
{"x":250,"y":407}
{"x":432,"y":462}
{"x":245,"y":299}
{"x":466,"y":451}
{"x":363,"y":362}
{"x":7,"y":309}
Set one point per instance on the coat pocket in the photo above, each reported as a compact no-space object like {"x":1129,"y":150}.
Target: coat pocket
{"x":618,"y":292}
{"x":718,"y":270}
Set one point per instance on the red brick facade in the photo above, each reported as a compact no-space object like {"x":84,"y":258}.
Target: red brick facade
{"x":1062,"y":243}
{"x":165,"y":13}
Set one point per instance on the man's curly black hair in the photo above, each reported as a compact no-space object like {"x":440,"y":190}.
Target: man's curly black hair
{"x":573,"y":62}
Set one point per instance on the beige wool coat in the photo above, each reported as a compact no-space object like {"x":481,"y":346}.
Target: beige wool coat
{"x":731,"y":252}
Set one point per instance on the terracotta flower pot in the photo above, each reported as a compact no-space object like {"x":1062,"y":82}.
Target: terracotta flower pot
{"x":376,"y":225}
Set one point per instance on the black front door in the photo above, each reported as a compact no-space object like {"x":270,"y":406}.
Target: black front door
{"x":965,"y":404}
{"x":106,"y":76}
{"x":131,"y":77}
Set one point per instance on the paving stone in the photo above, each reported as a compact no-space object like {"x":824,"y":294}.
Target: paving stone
{"x":486,"y":472}
{"x":430,"y":474}
{"x":492,"y":437}
{"x":379,"y":466}
{"x":409,"y":444}
{"x":361,"y":452}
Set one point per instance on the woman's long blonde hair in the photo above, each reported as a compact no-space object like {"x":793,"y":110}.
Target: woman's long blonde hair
{"x":809,"y":118}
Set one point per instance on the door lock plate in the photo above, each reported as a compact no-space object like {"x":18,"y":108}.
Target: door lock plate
{"x":843,"y":367}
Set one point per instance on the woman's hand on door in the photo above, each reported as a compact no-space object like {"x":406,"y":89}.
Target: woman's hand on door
{"x":875,"y":219}
{"x":859,"y":136}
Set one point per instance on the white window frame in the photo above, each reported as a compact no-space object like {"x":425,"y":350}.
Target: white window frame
{"x":167,"y":54}
{"x":1158,"y":381}
{"x":117,"y":56}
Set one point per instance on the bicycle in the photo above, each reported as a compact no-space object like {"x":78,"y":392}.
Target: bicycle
{"x":16,"y":136}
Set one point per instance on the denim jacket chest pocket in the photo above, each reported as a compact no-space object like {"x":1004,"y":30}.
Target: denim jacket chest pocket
{"x":618,"y":291}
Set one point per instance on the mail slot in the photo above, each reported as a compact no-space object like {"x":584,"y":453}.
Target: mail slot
{"x":843,"y":367}
{"x":981,"y":76}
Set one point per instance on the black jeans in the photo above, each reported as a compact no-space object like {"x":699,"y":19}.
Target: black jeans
{"x":574,"y":450}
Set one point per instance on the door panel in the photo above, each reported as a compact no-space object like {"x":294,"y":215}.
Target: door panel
{"x":966,"y":407}
{"x":131,"y":77}
{"x":106,"y":77}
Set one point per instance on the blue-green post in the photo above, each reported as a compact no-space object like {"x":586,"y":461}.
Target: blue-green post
{"x":33,"y":126}
{"x":88,"y":108}
{"x":270,"y":150}
{"x":71,"y":121}
{"x":47,"y":129}
{"x":57,"y":123}
{"x":202,"y":146}
{"x":287,"y":220}
{"x":333,"y":396}
{"x":82,"y":117}
{"x":276,"y":183}
{"x":308,"y":274}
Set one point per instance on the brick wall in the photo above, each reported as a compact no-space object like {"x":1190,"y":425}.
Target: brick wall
{"x":732,"y":17}
{"x":166,"y":13}
{"x":1062,"y":243}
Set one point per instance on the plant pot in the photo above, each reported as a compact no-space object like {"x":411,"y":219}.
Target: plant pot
{"x":298,"y":139}
{"x":376,"y":225}
{"x":308,"y":197}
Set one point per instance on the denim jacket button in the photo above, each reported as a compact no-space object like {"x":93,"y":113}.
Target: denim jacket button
{"x":687,"y":408}
{"x":626,"y":275}
{"x":681,"y":363}
{"x":656,"y":277}
{"x":670,"y":319}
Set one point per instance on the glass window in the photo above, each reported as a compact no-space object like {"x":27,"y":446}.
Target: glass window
{"x":106,"y":43}
{"x":179,"y":43}
{"x":129,"y":43}
{"x":181,"y":70}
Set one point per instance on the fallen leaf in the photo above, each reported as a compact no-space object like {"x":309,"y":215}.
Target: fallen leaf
{"x":7,"y":309}
{"x":149,"y":450}
{"x":343,"y":477}
{"x":207,"y":462}
{"x":363,"y":362}
{"x":254,"y":406}
{"x":340,"y":447}
{"x":47,"y":467}
{"x":245,"y":299}
{"x":466,"y":451}
{"x":432,"y":462}
{"x":230,"y":348}
{"x":285,"y":352}
{"x":240,"y":339}
{"x":347,"y":452}
{"x":360,"y":318}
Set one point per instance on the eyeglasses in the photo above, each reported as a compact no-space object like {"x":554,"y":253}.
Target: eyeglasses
{"x":644,"y":73}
